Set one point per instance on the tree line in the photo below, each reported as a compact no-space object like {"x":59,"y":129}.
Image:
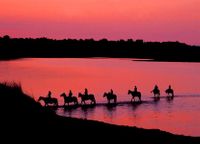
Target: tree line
{"x":11,"y":48}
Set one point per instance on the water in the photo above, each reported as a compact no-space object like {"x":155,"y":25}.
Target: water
{"x":99,"y":75}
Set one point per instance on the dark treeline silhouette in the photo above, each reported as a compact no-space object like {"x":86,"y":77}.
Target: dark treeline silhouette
{"x":11,"y":48}
{"x":26,"y":120}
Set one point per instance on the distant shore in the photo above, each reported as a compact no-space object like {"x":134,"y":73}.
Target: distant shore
{"x":13,"y":48}
{"x":25,"y":116}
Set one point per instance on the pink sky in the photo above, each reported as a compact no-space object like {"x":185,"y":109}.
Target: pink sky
{"x":151,"y":20}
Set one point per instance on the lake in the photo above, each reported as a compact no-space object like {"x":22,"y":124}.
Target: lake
{"x":179,"y":116}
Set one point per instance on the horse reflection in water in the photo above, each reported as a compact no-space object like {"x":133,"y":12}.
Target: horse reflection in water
{"x":48,"y":100}
{"x":87,"y":97}
{"x":110,"y":97}
{"x":135,"y":94}
{"x":69,"y":100}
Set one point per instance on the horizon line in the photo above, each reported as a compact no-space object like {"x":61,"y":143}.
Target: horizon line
{"x":95,"y":39}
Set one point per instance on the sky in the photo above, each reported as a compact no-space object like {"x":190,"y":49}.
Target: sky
{"x":150,"y":20}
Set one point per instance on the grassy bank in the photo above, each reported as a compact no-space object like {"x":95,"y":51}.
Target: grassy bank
{"x":22,"y":115}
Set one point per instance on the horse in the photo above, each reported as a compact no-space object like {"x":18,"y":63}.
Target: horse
{"x":170,"y":92}
{"x":110,"y":96}
{"x":69,"y":99}
{"x":87,"y":97}
{"x":135,"y":94}
{"x":156,"y":92}
{"x":48,"y":101}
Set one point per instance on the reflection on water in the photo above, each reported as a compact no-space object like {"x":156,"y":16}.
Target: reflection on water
{"x":179,"y":115}
{"x":176,"y":115}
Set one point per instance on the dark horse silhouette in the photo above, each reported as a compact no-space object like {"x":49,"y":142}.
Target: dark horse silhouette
{"x":156,"y":92}
{"x":69,"y":99}
{"x":48,"y":101}
{"x":170,"y":92}
{"x":110,"y":96}
{"x":87,"y":97}
{"x":135,"y":94}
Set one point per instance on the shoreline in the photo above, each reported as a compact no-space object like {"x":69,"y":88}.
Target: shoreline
{"x":28,"y":117}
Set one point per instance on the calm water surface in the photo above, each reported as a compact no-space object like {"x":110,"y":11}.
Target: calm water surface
{"x":180,"y":115}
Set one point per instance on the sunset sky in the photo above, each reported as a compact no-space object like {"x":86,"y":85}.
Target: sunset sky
{"x":151,"y":20}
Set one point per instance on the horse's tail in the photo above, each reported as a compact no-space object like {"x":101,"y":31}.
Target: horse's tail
{"x":115,"y":99}
{"x":140,"y":95}
{"x":56,"y":102}
{"x":80,"y":94}
{"x":93,"y":99}
{"x":76,"y":100}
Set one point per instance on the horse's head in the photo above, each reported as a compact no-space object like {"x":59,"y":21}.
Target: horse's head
{"x":105,"y":94}
{"x":80,"y":94}
{"x":63,"y":95}
{"x":40,"y":98}
{"x":129,"y":91}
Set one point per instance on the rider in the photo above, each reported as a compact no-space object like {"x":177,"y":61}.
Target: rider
{"x":70,"y":93}
{"x":135,"y":89}
{"x":169,"y":87}
{"x":111,"y":91}
{"x":49,"y":95}
{"x":155,"y":88}
{"x":170,"y":90}
{"x":86,"y":92}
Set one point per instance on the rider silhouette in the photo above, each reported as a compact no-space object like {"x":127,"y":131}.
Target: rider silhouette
{"x":169,"y":87}
{"x":135,"y":89}
{"x":86,"y":92}
{"x":156,"y":88}
{"x":70,"y":93}
{"x":49,"y":95}
{"x":111,"y":92}
{"x":170,"y":90}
